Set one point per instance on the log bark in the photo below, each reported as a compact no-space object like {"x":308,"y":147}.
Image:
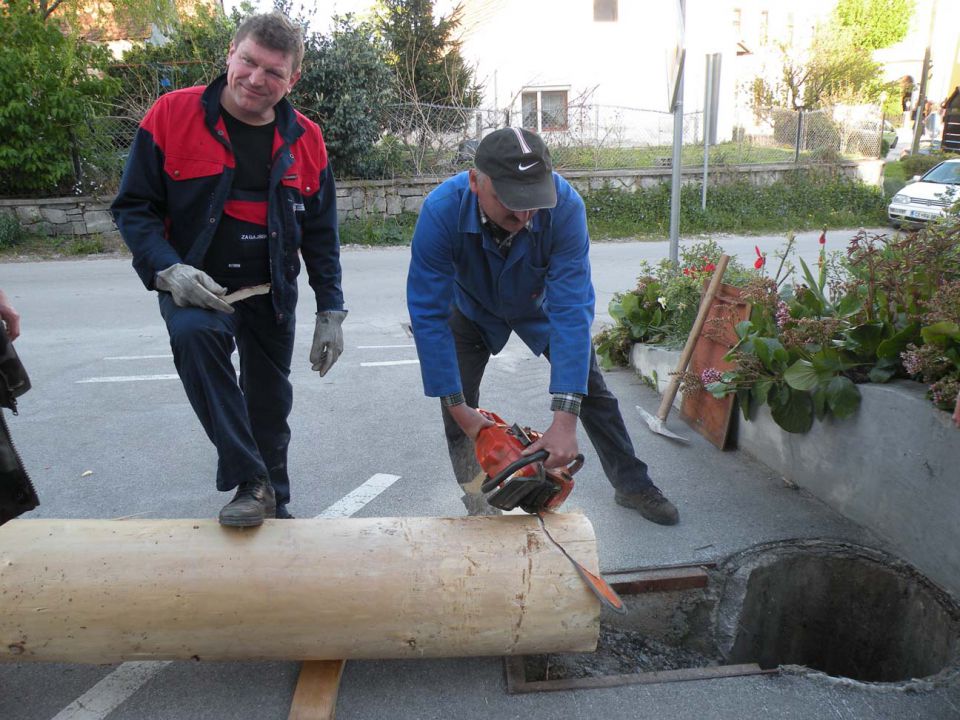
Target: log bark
{"x":105,"y":591}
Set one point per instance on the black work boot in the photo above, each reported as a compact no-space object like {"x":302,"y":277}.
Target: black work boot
{"x":283,"y":513}
{"x":650,"y":503}
{"x":253,"y":503}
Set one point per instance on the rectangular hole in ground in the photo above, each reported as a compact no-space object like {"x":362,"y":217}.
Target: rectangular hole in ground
{"x":666,"y":635}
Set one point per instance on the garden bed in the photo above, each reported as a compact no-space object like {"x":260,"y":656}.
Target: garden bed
{"x":892,"y":466}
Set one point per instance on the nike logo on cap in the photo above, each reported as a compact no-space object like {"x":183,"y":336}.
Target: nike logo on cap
{"x":521,"y":167}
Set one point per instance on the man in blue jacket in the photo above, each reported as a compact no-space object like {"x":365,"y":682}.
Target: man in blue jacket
{"x":504,"y":248}
{"x":225,"y":188}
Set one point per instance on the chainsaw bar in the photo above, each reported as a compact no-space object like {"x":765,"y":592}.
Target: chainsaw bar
{"x":598,"y":586}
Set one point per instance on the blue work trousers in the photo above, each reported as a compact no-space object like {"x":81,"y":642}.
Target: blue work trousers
{"x":245,"y":419}
{"x":599,"y":414}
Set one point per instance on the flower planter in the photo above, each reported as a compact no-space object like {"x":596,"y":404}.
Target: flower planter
{"x":893,"y":467}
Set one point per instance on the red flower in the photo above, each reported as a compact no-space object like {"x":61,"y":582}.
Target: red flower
{"x":686,"y":271}
{"x":823,"y":238}
{"x":709,"y":267}
{"x":758,"y":263}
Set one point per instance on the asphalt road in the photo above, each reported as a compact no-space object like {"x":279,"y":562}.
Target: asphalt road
{"x":107,"y":433}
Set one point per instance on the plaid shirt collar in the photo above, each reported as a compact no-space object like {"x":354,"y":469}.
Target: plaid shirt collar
{"x":503,"y":243}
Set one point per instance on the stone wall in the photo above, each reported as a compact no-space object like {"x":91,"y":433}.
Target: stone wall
{"x":389,"y":198}
{"x":62,"y":216}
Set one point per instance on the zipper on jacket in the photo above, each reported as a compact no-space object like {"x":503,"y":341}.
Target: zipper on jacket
{"x":26,"y":476}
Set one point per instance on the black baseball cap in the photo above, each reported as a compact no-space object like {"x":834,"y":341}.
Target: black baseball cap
{"x":519,"y":166}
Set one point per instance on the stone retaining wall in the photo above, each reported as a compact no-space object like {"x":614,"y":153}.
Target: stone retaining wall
{"x":389,"y":198}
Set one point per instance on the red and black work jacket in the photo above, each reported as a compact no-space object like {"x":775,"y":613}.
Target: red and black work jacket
{"x":177,"y":181}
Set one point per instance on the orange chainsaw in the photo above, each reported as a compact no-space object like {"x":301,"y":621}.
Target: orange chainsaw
{"x":515,"y":480}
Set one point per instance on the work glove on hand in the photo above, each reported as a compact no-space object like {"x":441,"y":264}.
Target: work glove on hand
{"x":191,"y":287}
{"x":327,"y":340}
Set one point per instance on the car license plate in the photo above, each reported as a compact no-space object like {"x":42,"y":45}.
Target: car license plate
{"x":921,"y":215}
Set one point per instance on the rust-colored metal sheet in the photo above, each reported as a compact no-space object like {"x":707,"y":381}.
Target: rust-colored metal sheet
{"x":703,"y":412}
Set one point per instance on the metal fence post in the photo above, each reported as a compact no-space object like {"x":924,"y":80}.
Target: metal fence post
{"x":796,"y":155}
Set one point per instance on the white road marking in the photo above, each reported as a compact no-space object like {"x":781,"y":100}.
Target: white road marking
{"x":390,"y":362}
{"x":128,"y":378}
{"x":353,"y":502}
{"x":140,"y":357}
{"x":108,"y":694}
{"x":379,"y":347}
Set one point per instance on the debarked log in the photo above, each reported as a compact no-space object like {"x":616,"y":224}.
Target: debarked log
{"x":106,"y":591}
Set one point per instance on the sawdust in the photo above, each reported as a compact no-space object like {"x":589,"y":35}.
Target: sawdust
{"x":619,"y":652}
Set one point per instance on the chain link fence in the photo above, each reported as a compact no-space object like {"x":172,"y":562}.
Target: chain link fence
{"x":433,"y":140}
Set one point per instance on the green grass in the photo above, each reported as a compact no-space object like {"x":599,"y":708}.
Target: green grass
{"x":376,"y":231}
{"x":802,"y":201}
{"x":42,"y":247}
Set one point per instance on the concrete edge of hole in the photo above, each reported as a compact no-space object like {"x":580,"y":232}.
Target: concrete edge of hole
{"x":734,"y":574}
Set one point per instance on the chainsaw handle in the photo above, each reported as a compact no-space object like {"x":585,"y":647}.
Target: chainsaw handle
{"x":540,"y":455}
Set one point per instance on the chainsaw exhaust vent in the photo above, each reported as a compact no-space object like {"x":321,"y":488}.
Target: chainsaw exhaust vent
{"x":844,"y":610}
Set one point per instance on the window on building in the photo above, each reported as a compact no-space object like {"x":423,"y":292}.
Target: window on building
{"x":738,"y":23}
{"x":544,"y":109}
{"x":604,"y":10}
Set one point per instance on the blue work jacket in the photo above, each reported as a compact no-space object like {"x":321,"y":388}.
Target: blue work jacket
{"x":178,"y":178}
{"x":541,"y":290}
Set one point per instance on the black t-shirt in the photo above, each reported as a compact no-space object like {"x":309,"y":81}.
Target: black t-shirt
{"x":239,"y":254}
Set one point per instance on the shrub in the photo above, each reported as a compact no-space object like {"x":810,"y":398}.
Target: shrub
{"x":50,"y":83}
{"x":11,"y":232}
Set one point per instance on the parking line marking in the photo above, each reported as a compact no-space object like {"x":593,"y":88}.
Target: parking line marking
{"x":108,"y":694}
{"x":390,"y":362}
{"x":353,"y":502}
{"x":140,"y":357}
{"x":379,"y":347}
{"x":127,"y":378}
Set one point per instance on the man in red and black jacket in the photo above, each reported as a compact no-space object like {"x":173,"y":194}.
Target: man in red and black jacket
{"x":225,"y":188}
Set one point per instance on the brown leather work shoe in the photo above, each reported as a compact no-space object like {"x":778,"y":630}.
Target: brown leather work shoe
{"x":651,"y":504}
{"x":253,"y":502}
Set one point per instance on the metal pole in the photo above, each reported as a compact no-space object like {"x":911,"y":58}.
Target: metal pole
{"x":707,"y":122}
{"x":922,"y":95}
{"x":796,"y":152}
{"x":675,"y":164}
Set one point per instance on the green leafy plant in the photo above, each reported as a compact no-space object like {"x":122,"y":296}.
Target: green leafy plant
{"x":11,"y":231}
{"x":891,"y":310}
{"x":51,"y":81}
{"x":663,"y":305}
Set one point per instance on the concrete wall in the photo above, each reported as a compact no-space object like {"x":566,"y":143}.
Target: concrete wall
{"x":893,"y":467}
{"x":389,"y":198}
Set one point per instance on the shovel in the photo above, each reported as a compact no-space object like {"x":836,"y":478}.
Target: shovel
{"x":658,"y":422}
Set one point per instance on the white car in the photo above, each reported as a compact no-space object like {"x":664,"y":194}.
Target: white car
{"x":928,"y":196}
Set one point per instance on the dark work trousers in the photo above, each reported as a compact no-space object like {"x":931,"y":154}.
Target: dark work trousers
{"x":599,"y":413}
{"x":245,"y":420}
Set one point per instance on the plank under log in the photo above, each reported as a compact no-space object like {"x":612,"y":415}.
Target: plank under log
{"x":104,"y":591}
{"x":317,"y":687}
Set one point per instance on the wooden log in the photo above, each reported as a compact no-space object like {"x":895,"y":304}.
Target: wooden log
{"x":105,"y":591}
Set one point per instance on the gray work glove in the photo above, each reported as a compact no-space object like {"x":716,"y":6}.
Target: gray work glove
{"x":191,"y":287}
{"x":327,"y":340}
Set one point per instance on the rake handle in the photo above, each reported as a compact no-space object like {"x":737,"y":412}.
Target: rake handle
{"x":692,"y":338}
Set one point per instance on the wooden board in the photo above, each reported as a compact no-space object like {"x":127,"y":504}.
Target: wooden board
{"x":317,"y":687}
{"x":105,"y":591}
{"x":703,"y":412}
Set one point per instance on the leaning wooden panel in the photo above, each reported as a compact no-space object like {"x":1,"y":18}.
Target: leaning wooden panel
{"x":102,"y":591}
